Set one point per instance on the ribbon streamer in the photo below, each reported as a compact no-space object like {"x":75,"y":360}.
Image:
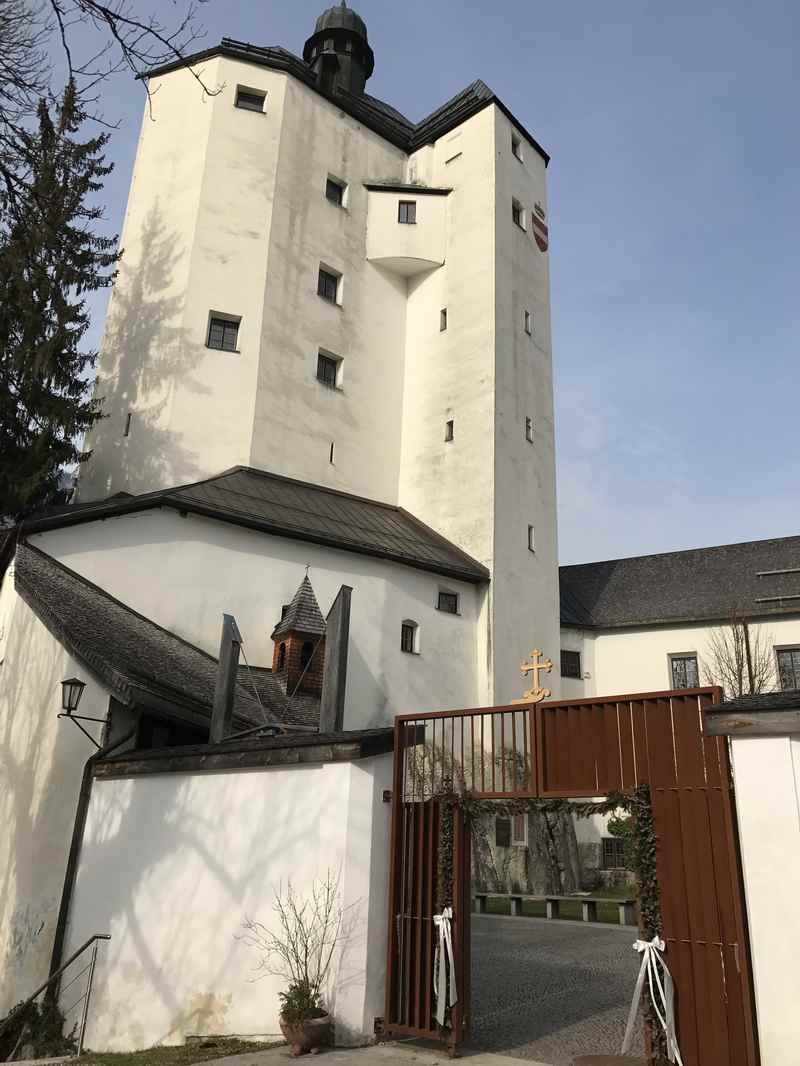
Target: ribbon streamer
{"x":442,"y":962}
{"x":650,"y":951}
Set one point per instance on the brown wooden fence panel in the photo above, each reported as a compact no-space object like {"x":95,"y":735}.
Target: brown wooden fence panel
{"x":576,"y":749}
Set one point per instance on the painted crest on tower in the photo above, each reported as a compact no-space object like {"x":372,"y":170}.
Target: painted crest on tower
{"x":540,"y":230}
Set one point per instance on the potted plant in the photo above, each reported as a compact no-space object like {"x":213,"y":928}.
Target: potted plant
{"x":301,"y":950}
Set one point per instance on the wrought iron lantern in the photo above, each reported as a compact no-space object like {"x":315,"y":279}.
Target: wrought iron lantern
{"x":71,"y":692}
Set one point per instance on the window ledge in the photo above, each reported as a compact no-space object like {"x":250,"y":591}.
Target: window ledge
{"x":330,"y":303}
{"x":228,"y":351}
{"x":404,"y":652}
{"x":519,"y":225}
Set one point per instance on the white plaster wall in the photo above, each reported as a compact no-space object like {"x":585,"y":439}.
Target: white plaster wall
{"x":296,"y":418}
{"x":637,"y":659}
{"x":767,"y":780}
{"x":185,"y":572}
{"x":172,"y":880}
{"x":41,"y":763}
{"x":408,"y":248}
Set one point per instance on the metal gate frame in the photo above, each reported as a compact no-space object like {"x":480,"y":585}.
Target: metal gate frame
{"x":573,"y":749}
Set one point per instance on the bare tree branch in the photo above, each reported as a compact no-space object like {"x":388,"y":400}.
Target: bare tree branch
{"x":740,"y":659}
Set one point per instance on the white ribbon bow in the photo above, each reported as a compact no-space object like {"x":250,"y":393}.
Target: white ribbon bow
{"x":651,"y":959}
{"x":442,"y":962}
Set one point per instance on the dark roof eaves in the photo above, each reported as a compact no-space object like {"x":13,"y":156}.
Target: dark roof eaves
{"x":391,"y":186}
{"x":410,"y":140}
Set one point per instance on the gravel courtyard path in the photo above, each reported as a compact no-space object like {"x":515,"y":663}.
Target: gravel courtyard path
{"x":551,"y":990}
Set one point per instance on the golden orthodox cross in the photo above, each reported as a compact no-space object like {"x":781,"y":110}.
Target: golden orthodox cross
{"x":536,"y":666}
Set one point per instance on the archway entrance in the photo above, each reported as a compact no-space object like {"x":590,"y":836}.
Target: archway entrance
{"x":572,"y":749}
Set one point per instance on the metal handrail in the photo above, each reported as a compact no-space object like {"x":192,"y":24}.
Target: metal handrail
{"x":90,"y":943}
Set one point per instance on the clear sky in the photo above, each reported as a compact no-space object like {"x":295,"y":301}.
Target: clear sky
{"x":674,"y":236}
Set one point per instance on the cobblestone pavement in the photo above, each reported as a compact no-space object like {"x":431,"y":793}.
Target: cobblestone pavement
{"x":551,"y":990}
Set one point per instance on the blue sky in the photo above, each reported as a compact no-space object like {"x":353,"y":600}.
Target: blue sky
{"x":675,"y":229}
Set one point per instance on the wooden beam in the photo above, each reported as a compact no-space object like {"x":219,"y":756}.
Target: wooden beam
{"x":754,"y":724}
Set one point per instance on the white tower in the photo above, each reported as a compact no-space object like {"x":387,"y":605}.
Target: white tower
{"x":315,"y":286}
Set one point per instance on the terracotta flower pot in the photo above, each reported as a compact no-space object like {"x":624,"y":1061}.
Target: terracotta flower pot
{"x":308,"y":1036}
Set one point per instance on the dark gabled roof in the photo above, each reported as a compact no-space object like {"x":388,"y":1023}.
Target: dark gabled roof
{"x":142,"y":664}
{"x":302,"y":615}
{"x":754,"y":579}
{"x":284,"y":507}
{"x":373,"y":113}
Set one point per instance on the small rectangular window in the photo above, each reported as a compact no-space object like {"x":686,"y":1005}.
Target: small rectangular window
{"x":443,"y":320}
{"x":250,"y":99}
{"x":528,"y":323}
{"x":327,"y":370}
{"x":332,"y":452}
{"x":223,"y":334}
{"x":683,"y":668}
{"x":519,"y":830}
{"x":448,"y":430}
{"x":531,"y":539}
{"x":448,"y":602}
{"x":516,"y":146}
{"x":788,"y":668}
{"x":529,"y":430}
{"x":570,"y":664}
{"x":517,"y":214}
{"x":613,"y":853}
{"x":334,"y":191}
{"x":502,"y":832}
{"x":407,"y":637}
{"x":328,"y":285}
{"x":407,"y":212}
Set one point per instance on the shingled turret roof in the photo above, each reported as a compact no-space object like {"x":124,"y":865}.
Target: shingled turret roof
{"x":302,"y":615}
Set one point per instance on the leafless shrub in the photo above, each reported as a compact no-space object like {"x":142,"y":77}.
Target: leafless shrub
{"x":740,"y":659}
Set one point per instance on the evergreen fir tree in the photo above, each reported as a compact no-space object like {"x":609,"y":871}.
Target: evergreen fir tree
{"x":50,"y":259}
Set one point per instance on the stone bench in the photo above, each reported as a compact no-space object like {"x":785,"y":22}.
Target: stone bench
{"x":626,"y":908}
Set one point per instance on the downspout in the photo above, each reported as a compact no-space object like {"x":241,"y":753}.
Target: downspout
{"x":74,"y":854}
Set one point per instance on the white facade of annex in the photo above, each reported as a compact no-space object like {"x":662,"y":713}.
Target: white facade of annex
{"x":228,"y":215}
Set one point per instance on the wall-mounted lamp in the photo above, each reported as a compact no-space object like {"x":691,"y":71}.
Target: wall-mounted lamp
{"x":71,"y":692}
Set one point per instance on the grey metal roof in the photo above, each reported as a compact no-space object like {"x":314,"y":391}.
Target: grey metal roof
{"x":142,"y":664}
{"x":303,"y":614}
{"x":279,"y":505}
{"x":758,"y":578}
{"x":341,"y":17}
{"x":375,"y":114}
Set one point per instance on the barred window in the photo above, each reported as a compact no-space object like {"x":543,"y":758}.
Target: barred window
{"x":408,"y":637}
{"x":448,"y":602}
{"x":328,"y":285}
{"x":250,"y":99}
{"x":327,"y":370}
{"x":684,"y":670}
{"x":789,"y":667}
{"x":223,"y":334}
{"x":613,"y":853}
{"x":570,"y":663}
{"x":407,"y":212}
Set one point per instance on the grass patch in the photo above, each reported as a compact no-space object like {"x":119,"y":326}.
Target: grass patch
{"x":181,"y":1055}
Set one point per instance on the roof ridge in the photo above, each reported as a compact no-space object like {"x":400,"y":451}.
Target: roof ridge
{"x":296,"y":481}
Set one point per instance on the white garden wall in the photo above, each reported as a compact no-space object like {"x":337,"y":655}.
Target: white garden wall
{"x":173,"y":863}
{"x":767,"y":781}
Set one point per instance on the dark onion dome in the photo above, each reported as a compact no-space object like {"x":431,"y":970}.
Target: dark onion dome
{"x":341,"y":17}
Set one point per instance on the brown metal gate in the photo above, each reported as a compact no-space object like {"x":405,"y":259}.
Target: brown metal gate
{"x":575,"y":749}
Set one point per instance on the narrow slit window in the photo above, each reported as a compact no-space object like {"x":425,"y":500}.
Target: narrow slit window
{"x":328,"y":286}
{"x":518,"y":214}
{"x":327,"y":370}
{"x":516,"y":146}
{"x":448,"y":430}
{"x":407,"y":212}
{"x":331,"y":454}
{"x":447,"y":602}
{"x":250,"y":99}
{"x":519,"y":830}
{"x":443,"y":320}
{"x":528,"y":323}
{"x":223,"y":334}
{"x":529,"y":430}
{"x":531,"y":539}
{"x":127,"y":431}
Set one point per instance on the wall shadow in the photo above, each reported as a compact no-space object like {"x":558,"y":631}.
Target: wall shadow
{"x":146,"y":355}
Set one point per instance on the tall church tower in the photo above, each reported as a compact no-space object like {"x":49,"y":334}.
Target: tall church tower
{"x":316,"y":286}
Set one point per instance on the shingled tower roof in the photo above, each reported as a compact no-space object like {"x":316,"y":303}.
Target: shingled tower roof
{"x":302,"y":615}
